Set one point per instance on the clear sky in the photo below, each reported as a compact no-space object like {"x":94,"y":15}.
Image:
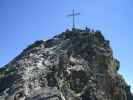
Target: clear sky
{"x":24,"y":21}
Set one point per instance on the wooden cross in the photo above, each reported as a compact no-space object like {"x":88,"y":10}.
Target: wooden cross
{"x":73,"y":15}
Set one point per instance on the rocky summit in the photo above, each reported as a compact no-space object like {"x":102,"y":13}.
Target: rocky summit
{"x":74,"y":65}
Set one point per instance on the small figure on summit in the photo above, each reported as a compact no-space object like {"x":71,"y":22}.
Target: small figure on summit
{"x":87,"y":29}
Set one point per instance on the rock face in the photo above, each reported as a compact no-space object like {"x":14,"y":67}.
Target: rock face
{"x":74,"y":65}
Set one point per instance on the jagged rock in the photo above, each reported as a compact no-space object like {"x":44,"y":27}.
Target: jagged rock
{"x":74,"y":65}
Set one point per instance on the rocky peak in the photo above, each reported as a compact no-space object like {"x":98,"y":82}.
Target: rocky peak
{"x":74,"y":65}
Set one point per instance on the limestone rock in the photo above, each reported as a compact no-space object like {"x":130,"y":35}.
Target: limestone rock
{"x":74,"y":65}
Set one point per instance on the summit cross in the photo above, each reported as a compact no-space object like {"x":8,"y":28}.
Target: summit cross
{"x":73,"y":16}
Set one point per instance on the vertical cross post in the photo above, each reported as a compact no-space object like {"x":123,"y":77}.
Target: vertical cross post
{"x":73,"y":19}
{"x":73,"y":15}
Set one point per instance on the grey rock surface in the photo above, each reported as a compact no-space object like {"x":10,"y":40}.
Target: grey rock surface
{"x":74,"y":65}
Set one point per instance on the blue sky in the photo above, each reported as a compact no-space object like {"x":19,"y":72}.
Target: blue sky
{"x":24,"y":21}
